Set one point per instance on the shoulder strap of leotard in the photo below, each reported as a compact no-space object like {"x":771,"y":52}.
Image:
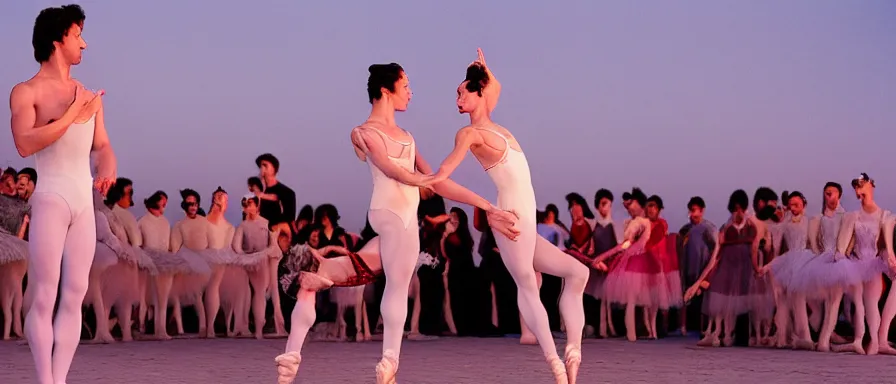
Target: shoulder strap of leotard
{"x":385,"y":136}
{"x":506,"y":145}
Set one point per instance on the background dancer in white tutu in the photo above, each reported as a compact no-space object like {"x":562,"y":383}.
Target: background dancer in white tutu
{"x":62,"y":135}
{"x":503,"y":159}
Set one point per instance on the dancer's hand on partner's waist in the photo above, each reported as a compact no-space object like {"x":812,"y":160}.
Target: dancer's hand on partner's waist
{"x":504,"y":222}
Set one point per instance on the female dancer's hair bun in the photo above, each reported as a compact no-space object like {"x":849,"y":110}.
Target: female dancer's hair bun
{"x":476,"y":79}
{"x":382,"y":76}
{"x":863,"y":177}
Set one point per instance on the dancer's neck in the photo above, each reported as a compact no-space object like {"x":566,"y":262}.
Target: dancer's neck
{"x":868,"y":205}
{"x":383,"y":112}
{"x":215,"y":214}
{"x":55,"y":68}
{"x":251,"y":216}
{"x":480,"y":116}
{"x":155,"y":212}
{"x":123,"y":204}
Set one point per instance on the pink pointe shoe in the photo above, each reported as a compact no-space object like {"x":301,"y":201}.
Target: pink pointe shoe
{"x":387,"y":368}
{"x":573,"y":360}
{"x":287,"y":367}
{"x":558,"y":369}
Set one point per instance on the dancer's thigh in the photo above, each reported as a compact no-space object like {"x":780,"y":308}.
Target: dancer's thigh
{"x":398,"y":245}
{"x":551,"y":260}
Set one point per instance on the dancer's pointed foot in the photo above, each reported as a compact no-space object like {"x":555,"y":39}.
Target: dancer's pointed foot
{"x":708,"y":341}
{"x":823,"y":346}
{"x":573,"y":360}
{"x":287,"y":367}
{"x":558,"y":369}
{"x":387,"y":368}
{"x":728,"y":341}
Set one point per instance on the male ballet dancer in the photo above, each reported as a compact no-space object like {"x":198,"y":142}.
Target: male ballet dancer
{"x":61,"y":134}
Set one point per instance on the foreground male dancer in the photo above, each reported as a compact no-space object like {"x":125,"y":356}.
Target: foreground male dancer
{"x":61,"y":134}
{"x":503,"y":159}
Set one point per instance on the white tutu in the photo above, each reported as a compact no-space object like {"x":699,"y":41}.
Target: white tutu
{"x":183,"y":261}
{"x":786,"y":267}
{"x":426,"y":259}
{"x":12,"y":248}
{"x":104,"y":257}
{"x":226,"y":256}
{"x":826,"y":271}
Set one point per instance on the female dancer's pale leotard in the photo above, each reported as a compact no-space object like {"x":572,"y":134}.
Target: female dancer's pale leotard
{"x":62,"y":222}
{"x":513,"y":179}
{"x":393,"y":215}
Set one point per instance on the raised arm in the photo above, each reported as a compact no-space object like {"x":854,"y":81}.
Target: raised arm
{"x":492,"y":90}
{"x":104,"y":157}
{"x":29,"y":137}
{"x":370,"y":147}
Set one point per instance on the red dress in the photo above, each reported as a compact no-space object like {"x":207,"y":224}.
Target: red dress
{"x":636,"y":276}
{"x":662,"y":247}
{"x":579,"y":236}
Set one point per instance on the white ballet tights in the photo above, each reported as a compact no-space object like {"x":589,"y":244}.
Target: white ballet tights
{"x":303,"y":317}
{"x":399,"y":249}
{"x":531,"y":252}
{"x":62,"y":233}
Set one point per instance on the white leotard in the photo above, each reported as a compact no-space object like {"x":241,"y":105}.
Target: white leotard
{"x":393,"y":195}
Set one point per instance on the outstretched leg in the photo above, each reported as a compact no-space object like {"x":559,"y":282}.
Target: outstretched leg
{"x":399,"y":249}
{"x":519,"y":258}
{"x":551,"y":260}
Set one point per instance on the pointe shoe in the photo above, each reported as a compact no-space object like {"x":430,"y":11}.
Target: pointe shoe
{"x":287,"y":367}
{"x":314,"y":282}
{"x":573,"y":360}
{"x":558,"y":369}
{"x":387,"y":368}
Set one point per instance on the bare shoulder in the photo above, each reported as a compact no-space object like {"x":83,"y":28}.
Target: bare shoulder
{"x":22,"y":92}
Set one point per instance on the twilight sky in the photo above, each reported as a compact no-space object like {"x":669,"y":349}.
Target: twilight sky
{"x":681,"y":98}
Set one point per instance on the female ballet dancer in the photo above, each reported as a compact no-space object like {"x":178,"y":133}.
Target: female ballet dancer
{"x":635,"y":276}
{"x":503,"y":159}
{"x":730,"y":273}
{"x":607,"y":235}
{"x":397,"y":170}
{"x":13,"y":261}
{"x":253,"y":236}
{"x":860,"y":236}
{"x":830,"y":273}
{"x":783,"y":269}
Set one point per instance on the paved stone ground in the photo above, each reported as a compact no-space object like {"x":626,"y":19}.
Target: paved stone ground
{"x":454,"y":361}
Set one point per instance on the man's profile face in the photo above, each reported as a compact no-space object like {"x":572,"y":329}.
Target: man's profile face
{"x":266,"y":169}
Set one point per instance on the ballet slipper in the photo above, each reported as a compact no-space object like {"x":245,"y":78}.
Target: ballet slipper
{"x":728,"y":341}
{"x":573,"y":360}
{"x":558,"y":369}
{"x":287,"y":367}
{"x":387,"y":368}
{"x":314,"y":282}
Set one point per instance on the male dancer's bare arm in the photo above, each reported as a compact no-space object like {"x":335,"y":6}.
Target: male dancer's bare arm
{"x":104,"y":156}
{"x":373,"y":149}
{"x":466,"y":137}
{"x":30,"y":138}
